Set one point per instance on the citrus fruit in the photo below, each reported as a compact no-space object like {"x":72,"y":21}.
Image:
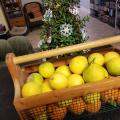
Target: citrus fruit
{"x":77,"y":107}
{"x":35,"y":77}
{"x":94,"y":72}
{"x":92,"y":98}
{"x":46,"y":69}
{"x":38,"y":113}
{"x":109,"y":95}
{"x":74,"y":80}
{"x":45,"y":87}
{"x":64,"y":69}
{"x":109,"y":55}
{"x":93,"y":107}
{"x":30,"y":89}
{"x":113,"y":66}
{"x":118,"y":98}
{"x":58,"y":81}
{"x":97,"y":58}
{"x":56,"y":113}
{"x":78,"y":64}
{"x":65,"y":103}
{"x":42,"y":116}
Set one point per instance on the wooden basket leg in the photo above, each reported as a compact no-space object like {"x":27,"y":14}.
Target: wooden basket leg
{"x":14,"y":74}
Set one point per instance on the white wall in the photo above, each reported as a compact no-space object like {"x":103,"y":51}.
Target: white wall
{"x":2,"y":18}
{"x":27,"y":1}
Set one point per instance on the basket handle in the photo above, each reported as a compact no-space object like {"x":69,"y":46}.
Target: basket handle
{"x":64,"y":50}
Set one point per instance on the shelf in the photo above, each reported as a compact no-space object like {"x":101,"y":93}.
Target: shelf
{"x":13,"y":16}
{"x":13,"y":10}
{"x":106,"y":8}
{"x":11,"y":4}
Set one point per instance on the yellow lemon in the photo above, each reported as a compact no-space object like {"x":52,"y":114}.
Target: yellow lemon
{"x":64,"y":69}
{"x":109,"y":55}
{"x":96,"y":58}
{"x":30,"y":89}
{"x":74,"y":80}
{"x":58,"y":81}
{"x":78,"y":64}
{"x":45,"y":87}
{"x":46,"y":69}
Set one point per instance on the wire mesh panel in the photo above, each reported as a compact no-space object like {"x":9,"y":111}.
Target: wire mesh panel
{"x":56,"y":113}
{"x":118,"y":98}
{"x":79,"y":107}
{"x":109,"y":95}
{"x":37,"y":113}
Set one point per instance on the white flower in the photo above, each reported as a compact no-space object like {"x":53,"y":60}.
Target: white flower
{"x":48,"y":15}
{"x":84,"y":33}
{"x":86,"y":50}
{"x":66,"y":29}
{"x":74,"y":10}
{"x":49,"y":40}
{"x":40,"y":43}
{"x":44,"y":59}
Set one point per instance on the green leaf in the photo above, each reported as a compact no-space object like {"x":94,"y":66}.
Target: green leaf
{"x":61,"y":15}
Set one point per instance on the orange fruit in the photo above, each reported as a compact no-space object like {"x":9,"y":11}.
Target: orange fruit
{"x":50,"y":108}
{"x":56,"y":113}
{"x":77,"y":106}
{"x":93,"y":107}
{"x":118,"y":99}
{"x":37,"y":111}
{"x":109,"y":95}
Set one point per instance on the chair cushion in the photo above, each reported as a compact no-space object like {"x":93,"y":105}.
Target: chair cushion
{"x":21,"y":45}
{"x":18,"y":30}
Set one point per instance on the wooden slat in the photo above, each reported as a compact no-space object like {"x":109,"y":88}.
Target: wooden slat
{"x":69,"y":49}
{"x":18,"y":74}
{"x":55,"y":96}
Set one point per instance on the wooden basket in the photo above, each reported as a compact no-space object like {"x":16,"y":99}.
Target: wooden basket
{"x":20,"y":67}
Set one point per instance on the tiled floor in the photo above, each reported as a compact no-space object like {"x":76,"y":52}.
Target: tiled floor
{"x":85,"y":3}
{"x":95,"y":28}
{"x":34,"y":37}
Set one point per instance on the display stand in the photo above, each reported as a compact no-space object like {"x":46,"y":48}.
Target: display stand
{"x":117,"y":10}
{"x":13,"y":12}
